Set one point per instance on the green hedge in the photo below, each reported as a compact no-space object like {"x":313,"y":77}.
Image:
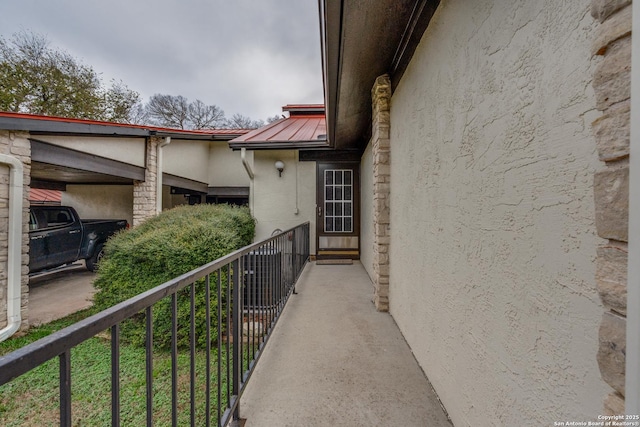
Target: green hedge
{"x":162,"y":248}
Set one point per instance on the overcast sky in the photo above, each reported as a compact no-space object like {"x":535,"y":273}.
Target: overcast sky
{"x":245,"y":56}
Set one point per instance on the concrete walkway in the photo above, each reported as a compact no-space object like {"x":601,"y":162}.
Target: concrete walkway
{"x":56,"y":294}
{"x":333,"y":360}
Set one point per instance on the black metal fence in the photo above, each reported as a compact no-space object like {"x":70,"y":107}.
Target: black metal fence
{"x":249,"y":288}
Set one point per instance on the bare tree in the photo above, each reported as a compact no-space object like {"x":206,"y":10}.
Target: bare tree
{"x":238,"y":121}
{"x":274,"y":118}
{"x":202,"y":116}
{"x":170,"y":111}
{"x":138,"y":114}
{"x":178,"y":112}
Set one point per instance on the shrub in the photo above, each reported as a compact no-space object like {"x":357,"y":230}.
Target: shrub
{"x":162,"y":248}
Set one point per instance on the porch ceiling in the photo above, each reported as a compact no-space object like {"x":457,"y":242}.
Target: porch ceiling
{"x":54,"y":167}
{"x":361,"y":41}
{"x":54,"y":176}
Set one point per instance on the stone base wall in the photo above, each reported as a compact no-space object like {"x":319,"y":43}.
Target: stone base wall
{"x":15,"y":144}
{"x":381,"y":98}
{"x":612,"y":85}
{"x":144,"y":192}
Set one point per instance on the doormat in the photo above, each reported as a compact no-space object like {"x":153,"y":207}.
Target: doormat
{"x":337,"y":261}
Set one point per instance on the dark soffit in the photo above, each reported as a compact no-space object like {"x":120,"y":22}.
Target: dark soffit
{"x":362,"y":40}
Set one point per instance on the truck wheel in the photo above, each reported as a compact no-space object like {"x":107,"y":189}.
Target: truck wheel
{"x":92,"y":263}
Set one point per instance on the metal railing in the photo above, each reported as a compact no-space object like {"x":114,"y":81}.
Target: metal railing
{"x":259,"y":279}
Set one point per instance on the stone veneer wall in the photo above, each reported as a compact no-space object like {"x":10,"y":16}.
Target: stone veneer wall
{"x":144,"y":192}
{"x":16,"y":144}
{"x":612,"y":85}
{"x":381,"y":97}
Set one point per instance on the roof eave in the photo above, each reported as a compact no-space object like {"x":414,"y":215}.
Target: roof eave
{"x":275,"y":145}
{"x":194,"y":137}
{"x":60,"y":127}
{"x":42,"y":126}
{"x":390,"y":32}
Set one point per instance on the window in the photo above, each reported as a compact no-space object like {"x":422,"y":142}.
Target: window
{"x":58,"y":217}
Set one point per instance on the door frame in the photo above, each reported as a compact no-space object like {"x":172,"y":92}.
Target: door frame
{"x":351,"y":252}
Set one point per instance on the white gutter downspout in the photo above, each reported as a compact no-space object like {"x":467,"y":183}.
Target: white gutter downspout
{"x":159,"y":170}
{"x":14,"y":258}
{"x":247,"y":166}
{"x":632,"y":380}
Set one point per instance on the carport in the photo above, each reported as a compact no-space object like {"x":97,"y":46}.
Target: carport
{"x":105,"y":170}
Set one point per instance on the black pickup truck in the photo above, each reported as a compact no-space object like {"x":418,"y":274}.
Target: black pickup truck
{"x":57,"y":236}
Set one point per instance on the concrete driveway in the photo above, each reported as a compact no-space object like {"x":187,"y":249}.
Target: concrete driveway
{"x":58,"y":293}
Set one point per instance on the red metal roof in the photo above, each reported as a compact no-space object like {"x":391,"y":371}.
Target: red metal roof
{"x":306,"y":125}
{"x":124,"y":125}
{"x":38,"y":195}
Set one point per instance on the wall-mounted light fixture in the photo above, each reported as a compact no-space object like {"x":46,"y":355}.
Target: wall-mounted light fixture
{"x":280,"y":167}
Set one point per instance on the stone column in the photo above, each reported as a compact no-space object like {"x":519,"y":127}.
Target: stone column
{"x":381,"y":98}
{"x":612,"y":85}
{"x":14,"y":144}
{"x":144,"y":192}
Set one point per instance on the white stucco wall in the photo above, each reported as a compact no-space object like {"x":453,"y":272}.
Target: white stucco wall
{"x":492,"y":212}
{"x":225,"y":166}
{"x":100,"y":201}
{"x":366,"y":210}
{"x":125,"y":150}
{"x":187,"y":159}
{"x":273,"y":198}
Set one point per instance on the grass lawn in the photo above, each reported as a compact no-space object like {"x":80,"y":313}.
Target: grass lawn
{"x":33,"y":399}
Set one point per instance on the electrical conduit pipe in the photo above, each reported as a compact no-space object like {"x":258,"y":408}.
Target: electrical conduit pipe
{"x":14,"y":258}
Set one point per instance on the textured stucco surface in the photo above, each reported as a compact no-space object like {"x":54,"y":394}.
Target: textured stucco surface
{"x":492,"y":217}
{"x":273,"y":198}
{"x":187,"y":159}
{"x":366,"y":210}
{"x":100,"y":201}
{"x":225,"y":166}
{"x":126,"y":150}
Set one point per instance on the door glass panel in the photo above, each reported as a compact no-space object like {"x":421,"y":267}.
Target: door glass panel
{"x":329,"y":192}
{"x":328,"y":177}
{"x":329,"y":209}
{"x":328,"y":224}
{"x":338,"y":202}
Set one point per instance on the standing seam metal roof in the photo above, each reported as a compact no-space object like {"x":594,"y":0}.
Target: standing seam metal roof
{"x":306,"y":123}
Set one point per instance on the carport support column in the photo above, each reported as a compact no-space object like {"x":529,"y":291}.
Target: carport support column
{"x":381,"y":98}
{"x":15,"y":144}
{"x":145,"y":195}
